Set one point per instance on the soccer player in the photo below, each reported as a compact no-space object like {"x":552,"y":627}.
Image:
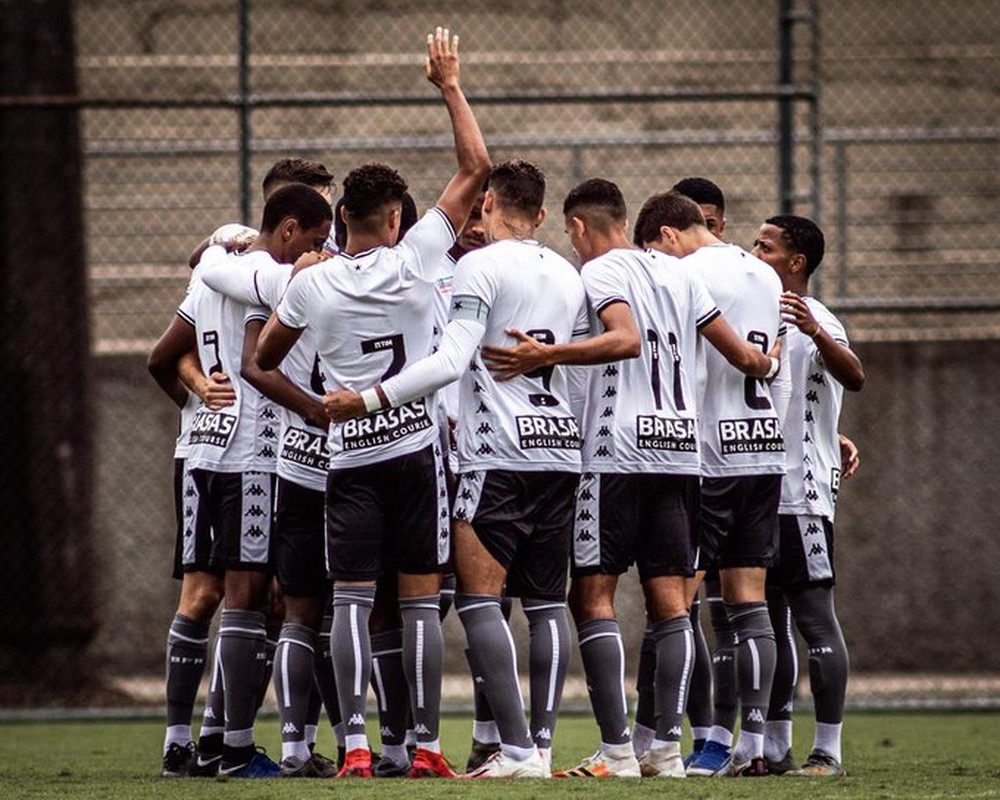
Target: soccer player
{"x":231,"y":457}
{"x":710,"y":200}
{"x":638,"y":497}
{"x":743,"y":459}
{"x":822,"y":365}
{"x":518,"y":451}
{"x":371,"y":308}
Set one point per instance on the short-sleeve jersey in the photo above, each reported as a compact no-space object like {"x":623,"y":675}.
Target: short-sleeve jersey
{"x":242,"y":437}
{"x":740,"y":430}
{"x":371,"y":313}
{"x":526,"y":423}
{"x":813,"y":478}
{"x":303,"y":452}
{"x":448,"y":395}
{"x":640,"y":414}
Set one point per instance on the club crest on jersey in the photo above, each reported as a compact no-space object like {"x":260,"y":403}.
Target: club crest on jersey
{"x":307,"y":448}
{"x":212,"y":427}
{"x":555,"y":433}
{"x":761,"y":435}
{"x":385,"y":427}
{"x":660,"y":433}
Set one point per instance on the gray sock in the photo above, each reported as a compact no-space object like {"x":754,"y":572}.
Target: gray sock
{"x":187,"y":652}
{"x":755,"y":660}
{"x":272,"y":630}
{"x":423,"y":654}
{"x":726,"y":697}
{"x":389,"y":683}
{"x":350,"y":645}
{"x":674,"y":657}
{"x":293,"y":679}
{"x":326,"y":680}
{"x":604,"y":664}
{"x":491,"y":648}
{"x":699,"y":706}
{"x":213,"y":720}
{"x":241,"y":651}
{"x":548,"y":660}
{"x":645,"y":706}
{"x":816,"y":619}
{"x":786,"y":668}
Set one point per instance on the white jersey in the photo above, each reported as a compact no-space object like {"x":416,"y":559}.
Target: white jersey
{"x":740,"y":430}
{"x":242,"y":437}
{"x":526,"y":423}
{"x":371,"y":313}
{"x":640,"y":414}
{"x":810,"y":486}
{"x":303,"y":452}
{"x":448,"y":396}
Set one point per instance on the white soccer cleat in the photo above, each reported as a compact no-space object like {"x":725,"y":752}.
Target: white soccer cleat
{"x":603,"y":765}
{"x":663,"y":762}
{"x":499,"y":765}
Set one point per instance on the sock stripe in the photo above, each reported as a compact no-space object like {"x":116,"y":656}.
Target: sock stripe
{"x":356,"y":644}
{"x":379,"y":685}
{"x":550,"y":700}
{"x":474,"y":606}
{"x":621,"y":671}
{"x":286,"y":691}
{"x":299,"y":642}
{"x":755,"y":661}
{"x":682,"y":690}
{"x":549,"y":606}
{"x":420,"y":663}
{"x":604,"y":634}
{"x":513,"y":657}
{"x":792,"y":649}
{"x":173,"y":637}
{"x":232,"y":630}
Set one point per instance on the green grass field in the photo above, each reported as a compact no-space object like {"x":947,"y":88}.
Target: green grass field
{"x":906,"y":755}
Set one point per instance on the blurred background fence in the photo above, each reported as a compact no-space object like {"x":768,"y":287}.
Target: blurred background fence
{"x":132,"y":128}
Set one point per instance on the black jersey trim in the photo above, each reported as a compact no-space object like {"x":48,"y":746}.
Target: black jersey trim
{"x":447,"y":221}
{"x":188,"y":319}
{"x":709,"y":317}
{"x":610,"y":302}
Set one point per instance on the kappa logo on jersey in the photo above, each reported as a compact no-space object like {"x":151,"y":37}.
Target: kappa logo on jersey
{"x":482,"y":409}
{"x":385,"y":427}
{"x":608,"y":412}
{"x":750,"y":436}
{"x":485,"y":428}
{"x":659,"y":433}
{"x":484,"y":450}
{"x":602,"y":452}
{"x":611,"y":391}
{"x":306,"y":448}
{"x":268,"y":413}
{"x":476,"y":387}
{"x":817,"y":378}
{"x":604,"y":431}
{"x":213,"y":428}
{"x":268,"y":433}
{"x":809,"y":415}
{"x":812,"y":396}
{"x":555,"y":433}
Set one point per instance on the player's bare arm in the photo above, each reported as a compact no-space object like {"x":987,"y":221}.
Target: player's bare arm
{"x":841,"y":361}
{"x":274,"y":343}
{"x":215,"y":391}
{"x":442,"y":69}
{"x":850,"y":458}
{"x":618,"y":341}
{"x":174,"y":342}
{"x":739,"y":352}
{"x":274,"y":384}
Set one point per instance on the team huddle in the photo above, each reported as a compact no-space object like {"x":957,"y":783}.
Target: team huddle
{"x":384,"y":416}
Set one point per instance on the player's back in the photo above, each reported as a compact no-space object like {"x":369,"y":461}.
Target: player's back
{"x":524,"y":423}
{"x":741,"y":434}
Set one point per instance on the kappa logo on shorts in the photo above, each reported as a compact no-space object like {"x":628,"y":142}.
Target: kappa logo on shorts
{"x":585,"y":515}
{"x":255,"y":490}
{"x":812,"y":529}
{"x":190,"y":492}
{"x":256,"y":532}
{"x":585,"y":536}
{"x":255,"y":511}
{"x":385,"y":427}
{"x":586,"y":494}
{"x":754,"y":435}
{"x":661,"y":433}
{"x":188,"y":512}
{"x":816,"y":550}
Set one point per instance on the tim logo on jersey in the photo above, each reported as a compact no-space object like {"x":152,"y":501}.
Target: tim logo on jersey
{"x":304,"y":447}
{"x":385,"y":427}
{"x":553,"y":433}
{"x":213,"y":428}
{"x":761,"y":435}
{"x":659,"y":433}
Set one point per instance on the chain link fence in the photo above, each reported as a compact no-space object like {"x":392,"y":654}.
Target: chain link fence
{"x":879,"y":120}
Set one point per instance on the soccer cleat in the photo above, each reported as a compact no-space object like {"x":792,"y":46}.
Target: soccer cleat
{"x":662,"y":762}
{"x":786,"y":764}
{"x":499,"y":765}
{"x":313,"y":767}
{"x":819,"y":764}
{"x":259,"y":766}
{"x":205,"y":765}
{"x":754,"y":768}
{"x":713,"y":760}
{"x":479,"y":753}
{"x":428,"y":764}
{"x":178,"y":759}
{"x":324,"y":765}
{"x":385,"y":767}
{"x":699,"y":745}
{"x":602,"y":765}
{"x":357,"y":764}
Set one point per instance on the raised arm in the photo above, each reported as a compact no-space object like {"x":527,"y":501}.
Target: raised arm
{"x":838,"y":358}
{"x":442,"y":68}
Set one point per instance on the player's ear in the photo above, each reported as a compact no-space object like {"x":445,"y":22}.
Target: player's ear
{"x":488,"y":200}
{"x":798,"y":263}
{"x":540,"y":218}
{"x":287,"y":227}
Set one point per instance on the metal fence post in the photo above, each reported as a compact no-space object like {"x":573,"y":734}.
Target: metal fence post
{"x":244,"y":111}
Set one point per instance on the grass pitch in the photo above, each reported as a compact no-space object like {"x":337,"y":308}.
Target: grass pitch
{"x":906,"y":755}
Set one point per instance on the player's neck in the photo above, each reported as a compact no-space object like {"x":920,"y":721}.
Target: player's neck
{"x":510,"y":227}
{"x":266,"y":242}
{"x":605,"y":244}
{"x":363,"y":242}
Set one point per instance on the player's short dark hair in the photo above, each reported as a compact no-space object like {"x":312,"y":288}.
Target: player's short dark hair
{"x":672,"y":209}
{"x":296,"y":170}
{"x":803,"y":237}
{"x":370,"y":189}
{"x":518,"y":185}
{"x":598,"y":201}
{"x":702,"y":191}
{"x":407,"y":219}
{"x":295,"y":200}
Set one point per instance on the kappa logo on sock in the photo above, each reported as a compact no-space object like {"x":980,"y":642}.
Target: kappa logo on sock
{"x":289,"y":727}
{"x":545,"y":734}
{"x":386,"y":732}
{"x":789,"y":706}
{"x":675,"y":731}
{"x":422,"y":729}
{"x":480,"y":679}
{"x":755,"y":715}
{"x":821,"y":651}
{"x":209,"y":713}
{"x":356,"y":719}
{"x":626,"y":734}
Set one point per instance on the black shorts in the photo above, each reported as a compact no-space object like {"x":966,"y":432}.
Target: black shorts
{"x":240,"y":509}
{"x":525,"y":521}
{"x":193,"y":542}
{"x":299,"y":545}
{"x":392,"y":514}
{"x":739,"y":521}
{"x":649,"y":520}
{"x":805,"y":553}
